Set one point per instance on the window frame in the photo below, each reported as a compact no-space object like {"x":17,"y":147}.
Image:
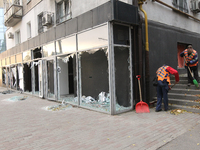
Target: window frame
{"x":65,"y":13}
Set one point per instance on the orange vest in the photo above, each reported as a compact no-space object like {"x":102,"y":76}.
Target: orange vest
{"x":189,"y":58}
{"x":163,"y":74}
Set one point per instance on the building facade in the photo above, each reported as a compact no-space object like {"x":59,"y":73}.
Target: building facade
{"x":89,"y":54}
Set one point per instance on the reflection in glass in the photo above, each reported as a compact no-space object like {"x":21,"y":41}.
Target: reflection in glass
{"x":67,"y":45}
{"x":122,"y":71}
{"x":26,"y":56}
{"x":19,"y":58}
{"x":95,"y":79}
{"x":67,"y":89}
{"x":48,"y":50}
{"x":93,"y":38}
{"x":12,"y":59}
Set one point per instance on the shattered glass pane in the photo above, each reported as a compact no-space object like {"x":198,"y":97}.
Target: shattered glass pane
{"x":17,"y":98}
{"x":58,"y":107}
{"x":94,"y":79}
{"x":122,"y":71}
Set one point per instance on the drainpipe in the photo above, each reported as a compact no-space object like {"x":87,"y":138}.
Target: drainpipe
{"x":140,"y":3}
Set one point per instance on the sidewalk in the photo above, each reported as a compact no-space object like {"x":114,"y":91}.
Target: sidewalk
{"x":27,"y":125}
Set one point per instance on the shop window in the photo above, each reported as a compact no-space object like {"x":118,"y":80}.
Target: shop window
{"x":28,"y":30}
{"x":37,"y":53}
{"x":122,"y":71}
{"x":181,"y":5}
{"x":48,"y":50}
{"x":63,"y":11}
{"x":94,"y":38}
{"x":66,"y":46}
{"x":121,"y":34}
{"x":17,"y":38}
{"x":95,"y":79}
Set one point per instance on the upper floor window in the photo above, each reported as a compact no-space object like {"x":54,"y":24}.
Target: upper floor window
{"x":17,"y":2}
{"x":63,"y":11}
{"x":17,"y":37}
{"x":28,"y":30}
{"x":181,"y":5}
{"x":40,"y":27}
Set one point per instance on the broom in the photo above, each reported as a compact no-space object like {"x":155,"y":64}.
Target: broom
{"x":193,"y":79}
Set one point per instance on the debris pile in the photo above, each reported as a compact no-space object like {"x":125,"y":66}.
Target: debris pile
{"x":58,"y":107}
{"x":196,"y":106}
{"x":17,"y":98}
{"x":177,"y":111}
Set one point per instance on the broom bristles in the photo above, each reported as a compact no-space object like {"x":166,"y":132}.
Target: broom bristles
{"x":196,"y":83}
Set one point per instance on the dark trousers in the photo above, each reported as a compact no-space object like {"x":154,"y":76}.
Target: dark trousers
{"x":194,"y":70}
{"x":162,"y":92}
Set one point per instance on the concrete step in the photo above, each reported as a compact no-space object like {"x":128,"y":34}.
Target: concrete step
{"x":187,"y":108}
{"x":183,"y":96}
{"x":184,"y":102}
{"x":185,"y":91}
{"x":185,"y":86}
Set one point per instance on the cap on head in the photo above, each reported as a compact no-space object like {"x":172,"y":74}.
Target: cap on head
{"x":189,"y":46}
{"x":190,"y":49}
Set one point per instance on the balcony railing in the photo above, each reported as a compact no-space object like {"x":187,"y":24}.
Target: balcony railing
{"x":13,"y":15}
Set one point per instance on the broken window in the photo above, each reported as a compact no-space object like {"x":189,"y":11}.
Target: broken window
{"x":20,"y":80}
{"x":95,"y":79}
{"x":48,"y":50}
{"x":35,"y":71}
{"x":94,"y":38}
{"x":63,"y":10}
{"x":27,"y":77}
{"x":50,"y":78}
{"x":4,"y":75}
{"x":66,"y":70}
{"x":37,"y":53}
{"x":26,"y":56}
{"x":122,"y":78}
{"x":67,"y":45}
{"x":13,"y":76}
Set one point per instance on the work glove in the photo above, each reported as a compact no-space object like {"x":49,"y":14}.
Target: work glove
{"x":188,"y":63}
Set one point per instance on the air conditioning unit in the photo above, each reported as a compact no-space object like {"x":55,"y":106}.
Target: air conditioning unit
{"x":195,"y":6}
{"x":46,"y":19}
{"x":10,"y":35}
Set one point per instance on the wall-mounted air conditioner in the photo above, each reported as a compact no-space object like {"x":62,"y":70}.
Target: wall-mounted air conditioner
{"x":46,"y":19}
{"x":10,"y":35}
{"x":195,"y":6}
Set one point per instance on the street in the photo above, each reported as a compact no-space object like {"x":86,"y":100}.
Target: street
{"x":26,"y":124}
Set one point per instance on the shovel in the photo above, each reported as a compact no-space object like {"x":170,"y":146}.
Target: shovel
{"x":141,"y":107}
{"x":193,"y":79}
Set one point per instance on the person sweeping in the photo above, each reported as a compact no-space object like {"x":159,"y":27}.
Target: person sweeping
{"x":163,"y":85}
{"x":191,"y":64}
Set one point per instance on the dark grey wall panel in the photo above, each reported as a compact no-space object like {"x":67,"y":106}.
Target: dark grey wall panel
{"x":60,"y":30}
{"x":102,"y":14}
{"x":51,"y":34}
{"x":31,"y":44}
{"x":37,"y":41}
{"x":43,"y":38}
{"x":18,"y":48}
{"x":85,"y":21}
{"x":72,"y":26}
{"x":24,"y":46}
{"x":163,"y":41}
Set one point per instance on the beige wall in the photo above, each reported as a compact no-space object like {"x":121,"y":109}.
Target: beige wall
{"x":29,"y":6}
{"x":1,"y":3}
